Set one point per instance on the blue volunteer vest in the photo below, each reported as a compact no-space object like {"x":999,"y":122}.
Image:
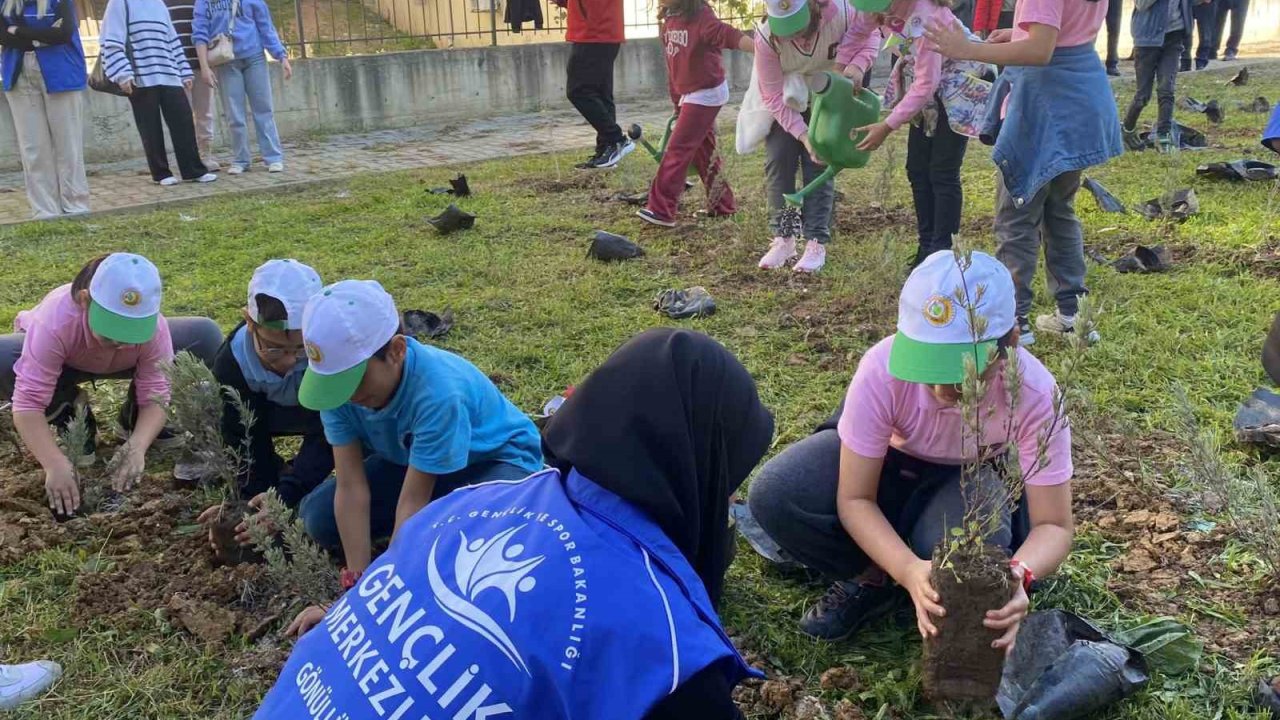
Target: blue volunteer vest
{"x":529,"y":599}
{"x":63,"y":66}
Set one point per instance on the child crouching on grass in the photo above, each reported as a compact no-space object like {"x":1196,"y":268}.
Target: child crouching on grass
{"x":1051,"y":115}
{"x":408,"y":422}
{"x":105,"y":324}
{"x":264,"y":359}
{"x":1159,"y":30}
{"x":937,"y":96}
{"x":866,"y":500}
{"x":693,"y":37}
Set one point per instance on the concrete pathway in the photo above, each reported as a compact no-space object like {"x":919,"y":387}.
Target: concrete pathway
{"x":127,"y":185}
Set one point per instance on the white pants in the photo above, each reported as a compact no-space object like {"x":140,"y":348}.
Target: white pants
{"x":202,"y":108}
{"x":51,"y":142}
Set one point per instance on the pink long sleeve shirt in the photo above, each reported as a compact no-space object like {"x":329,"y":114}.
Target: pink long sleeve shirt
{"x":58,"y":336}
{"x":834,"y":44}
{"x":908,"y":19}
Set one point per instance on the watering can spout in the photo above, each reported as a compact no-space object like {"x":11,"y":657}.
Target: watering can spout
{"x":796,"y":199}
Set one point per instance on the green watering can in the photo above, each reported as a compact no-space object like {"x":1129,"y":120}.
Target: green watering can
{"x":636,"y":133}
{"x":839,"y":108}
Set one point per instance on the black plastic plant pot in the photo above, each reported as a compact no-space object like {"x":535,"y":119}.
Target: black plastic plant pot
{"x":452,"y":220}
{"x":608,"y":247}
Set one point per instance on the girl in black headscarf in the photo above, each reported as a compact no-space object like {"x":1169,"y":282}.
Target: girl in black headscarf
{"x":649,"y":449}
{"x":672,"y":423}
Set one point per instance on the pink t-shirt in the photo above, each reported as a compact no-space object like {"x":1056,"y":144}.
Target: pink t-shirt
{"x":1077,"y":21}
{"x":908,"y":18}
{"x":882,"y":412}
{"x":58,"y":335}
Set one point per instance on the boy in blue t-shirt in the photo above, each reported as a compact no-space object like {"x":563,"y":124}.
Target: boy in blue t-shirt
{"x":408,"y":422}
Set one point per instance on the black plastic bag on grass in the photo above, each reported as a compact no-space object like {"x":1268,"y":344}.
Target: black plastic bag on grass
{"x":1063,"y":668}
{"x":683,"y":304}
{"x":452,"y":219}
{"x":426,"y":324}
{"x":1258,"y":419}
{"x":608,"y":247}
{"x":1106,"y":201}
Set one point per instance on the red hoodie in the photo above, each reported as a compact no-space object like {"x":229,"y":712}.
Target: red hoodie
{"x":693,"y":48}
{"x":594,"y":21}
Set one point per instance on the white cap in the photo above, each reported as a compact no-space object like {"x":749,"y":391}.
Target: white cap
{"x":290,"y":282}
{"x":934,"y":332}
{"x":125,"y":293}
{"x":787,"y":17}
{"x":342,"y":327}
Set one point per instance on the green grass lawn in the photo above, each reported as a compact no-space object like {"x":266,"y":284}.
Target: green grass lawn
{"x":535,"y":313}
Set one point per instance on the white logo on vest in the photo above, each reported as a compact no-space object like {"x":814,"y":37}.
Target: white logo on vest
{"x":485,"y":565}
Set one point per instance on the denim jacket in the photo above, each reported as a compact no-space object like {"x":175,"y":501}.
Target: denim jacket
{"x":1149,"y":26}
{"x":1058,"y":118}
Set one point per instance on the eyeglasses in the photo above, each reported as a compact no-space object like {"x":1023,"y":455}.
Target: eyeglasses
{"x":278,"y":353}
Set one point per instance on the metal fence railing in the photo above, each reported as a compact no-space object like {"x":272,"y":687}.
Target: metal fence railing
{"x":326,"y":28}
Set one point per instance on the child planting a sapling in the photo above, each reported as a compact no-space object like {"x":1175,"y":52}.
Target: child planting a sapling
{"x":263,"y":360}
{"x":196,"y":411}
{"x":105,"y":324}
{"x":408,"y":422}
{"x":868,"y":499}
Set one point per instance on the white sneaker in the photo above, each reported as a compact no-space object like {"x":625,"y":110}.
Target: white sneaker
{"x":1059,"y":324}
{"x":211,"y":165}
{"x":20,"y":683}
{"x":168,"y":182}
{"x":237,"y":170}
{"x":206,"y":178}
{"x":815,"y":256}
{"x":275,"y":167}
{"x":781,"y":250}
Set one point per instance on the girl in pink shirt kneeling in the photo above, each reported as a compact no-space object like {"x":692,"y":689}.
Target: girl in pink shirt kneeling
{"x":867,"y":498}
{"x":105,"y":324}
{"x":942,"y":99}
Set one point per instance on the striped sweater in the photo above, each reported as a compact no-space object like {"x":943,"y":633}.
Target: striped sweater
{"x":155,"y":56}
{"x":182,"y":12}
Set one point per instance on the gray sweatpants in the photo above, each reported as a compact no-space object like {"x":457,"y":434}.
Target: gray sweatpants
{"x":1050,"y":219}
{"x":794,"y":500}
{"x":783,"y":157}
{"x":200,"y":336}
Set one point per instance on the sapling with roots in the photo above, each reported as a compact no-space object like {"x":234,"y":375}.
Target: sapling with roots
{"x":970,"y":574}
{"x":195,"y":410}
{"x":297,"y":568}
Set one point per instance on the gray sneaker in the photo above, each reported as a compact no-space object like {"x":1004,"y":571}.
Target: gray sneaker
{"x":1059,"y":324}
{"x":847,"y":606}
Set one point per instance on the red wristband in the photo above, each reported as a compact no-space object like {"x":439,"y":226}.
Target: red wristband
{"x":1028,"y":576}
{"x":349,"y":578}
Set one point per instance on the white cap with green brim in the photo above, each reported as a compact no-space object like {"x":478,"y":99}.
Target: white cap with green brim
{"x":124,"y":299}
{"x":288,"y":281}
{"x":787,"y":17}
{"x":342,"y":327}
{"x":934,"y":329}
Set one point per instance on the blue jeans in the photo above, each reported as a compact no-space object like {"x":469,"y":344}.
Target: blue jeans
{"x":248,"y":80}
{"x":385,"y":480}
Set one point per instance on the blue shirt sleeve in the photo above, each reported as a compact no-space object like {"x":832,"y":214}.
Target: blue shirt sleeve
{"x":339,"y":427}
{"x":442,"y":440}
{"x":200,"y":23}
{"x":267,"y":30}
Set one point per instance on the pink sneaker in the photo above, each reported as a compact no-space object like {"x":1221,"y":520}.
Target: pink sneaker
{"x":815,"y":256}
{"x":780,"y":251}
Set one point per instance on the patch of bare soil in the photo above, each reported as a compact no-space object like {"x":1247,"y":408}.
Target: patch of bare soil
{"x":1168,"y":566}
{"x":152,"y":561}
